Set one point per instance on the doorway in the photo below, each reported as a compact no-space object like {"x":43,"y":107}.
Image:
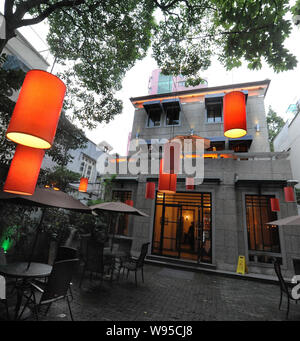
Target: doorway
{"x":182,"y":226}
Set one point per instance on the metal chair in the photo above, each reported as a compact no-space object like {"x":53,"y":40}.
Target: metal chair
{"x":95,"y":262}
{"x":136,"y":264}
{"x":65,"y":253}
{"x":56,"y":288}
{"x":3,"y":298}
{"x":284,"y":289}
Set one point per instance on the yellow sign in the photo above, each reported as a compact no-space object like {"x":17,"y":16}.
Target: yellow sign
{"x":242,"y":266}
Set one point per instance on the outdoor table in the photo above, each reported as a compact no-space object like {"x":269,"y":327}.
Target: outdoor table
{"x":19,"y":271}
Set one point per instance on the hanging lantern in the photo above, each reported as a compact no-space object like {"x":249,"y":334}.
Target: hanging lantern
{"x":190,"y":183}
{"x":234,"y":108}
{"x":24,"y":170}
{"x":171,"y":156}
{"x":275,"y":205}
{"x":289,"y":194}
{"x":129,"y":202}
{"x":36,"y":113}
{"x":150,"y":190}
{"x":83,"y":184}
{"x":166,"y":182}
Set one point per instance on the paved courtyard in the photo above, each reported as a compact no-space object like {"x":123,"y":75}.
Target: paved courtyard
{"x":174,"y":295}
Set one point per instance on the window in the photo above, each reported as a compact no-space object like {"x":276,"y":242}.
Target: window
{"x":172,"y":114}
{"x":214,"y":112}
{"x":261,"y":237}
{"x":153,"y":118}
{"x":216,"y":146}
{"x":181,"y":83}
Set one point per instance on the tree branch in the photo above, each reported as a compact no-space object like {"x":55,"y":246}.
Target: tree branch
{"x":8,"y":8}
{"x":48,"y":11}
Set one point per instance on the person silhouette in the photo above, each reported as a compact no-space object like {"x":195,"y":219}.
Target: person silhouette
{"x":191,"y":236}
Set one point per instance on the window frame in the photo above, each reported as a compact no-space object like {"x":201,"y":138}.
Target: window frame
{"x":148,"y":116}
{"x":216,"y":101}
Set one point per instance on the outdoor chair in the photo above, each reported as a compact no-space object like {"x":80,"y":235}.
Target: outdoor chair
{"x":3,"y":298}
{"x":136,"y":264}
{"x":284,"y":289}
{"x":66,"y":253}
{"x":95,"y":262}
{"x":56,"y":288}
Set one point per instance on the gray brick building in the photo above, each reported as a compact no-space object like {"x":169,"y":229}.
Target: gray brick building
{"x":230,"y":207}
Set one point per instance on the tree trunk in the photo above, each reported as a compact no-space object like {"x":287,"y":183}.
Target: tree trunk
{"x":3,"y":42}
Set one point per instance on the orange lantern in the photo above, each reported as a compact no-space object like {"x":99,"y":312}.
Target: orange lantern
{"x":24,"y":170}
{"x":234,"y":108}
{"x":289,"y":194}
{"x":129,"y":202}
{"x":150,"y":190}
{"x":166,"y":182}
{"x":189,"y":183}
{"x":275,"y":205}
{"x":83,"y":184}
{"x":36,"y":113}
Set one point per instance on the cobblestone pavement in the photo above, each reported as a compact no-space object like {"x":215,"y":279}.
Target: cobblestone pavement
{"x":174,"y":295}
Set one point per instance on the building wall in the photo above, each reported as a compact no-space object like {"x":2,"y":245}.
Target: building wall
{"x":174,"y":83}
{"x":255,"y":172}
{"x":289,"y":139}
{"x":193,"y":116}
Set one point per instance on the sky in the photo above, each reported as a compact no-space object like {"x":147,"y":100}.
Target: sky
{"x":284,"y":88}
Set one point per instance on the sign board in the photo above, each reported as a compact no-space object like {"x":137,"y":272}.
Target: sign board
{"x":242,"y":266}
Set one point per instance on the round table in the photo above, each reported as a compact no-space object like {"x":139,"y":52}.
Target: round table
{"x":19,"y":271}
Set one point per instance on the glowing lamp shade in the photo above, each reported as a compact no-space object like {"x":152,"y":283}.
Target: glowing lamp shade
{"x":36,"y":113}
{"x":83,"y":184}
{"x":166,"y":182}
{"x":275,"y":205}
{"x":24,"y":170}
{"x":129,"y":202}
{"x":150,"y":190}
{"x":189,"y":183}
{"x":234,"y":108}
{"x":289,"y":194}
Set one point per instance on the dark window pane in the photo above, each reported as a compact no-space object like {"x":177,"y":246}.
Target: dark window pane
{"x":172,"y":116}
{"x":261,"y":237}
{"x":154,"y":118}
{"x":214,"y":112}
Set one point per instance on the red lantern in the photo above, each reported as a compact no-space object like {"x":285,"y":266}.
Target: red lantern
{"x":171,"y":156}
{"x":83,"y":184}
{"x":150,"y":190}
{"x":234,"y":108}
{"x":166,"y":182}
{"x":289,"y":194}
{"x":275,"y":205}
{"x":129,"y":202}
{"x":36,"y":113}
{"x":24,"y":170}
{"x":189,"y":183}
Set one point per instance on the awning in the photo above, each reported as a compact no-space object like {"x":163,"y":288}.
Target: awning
{"x":173,"y":103}
{"x":243,"y":138}
{"x":217,"y":139}
{"x":156,"y":105}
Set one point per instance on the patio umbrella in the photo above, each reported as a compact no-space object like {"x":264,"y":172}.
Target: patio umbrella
{"x":45,"y":197}
{"x":117,"y":207}
{"x":292,"y":220}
